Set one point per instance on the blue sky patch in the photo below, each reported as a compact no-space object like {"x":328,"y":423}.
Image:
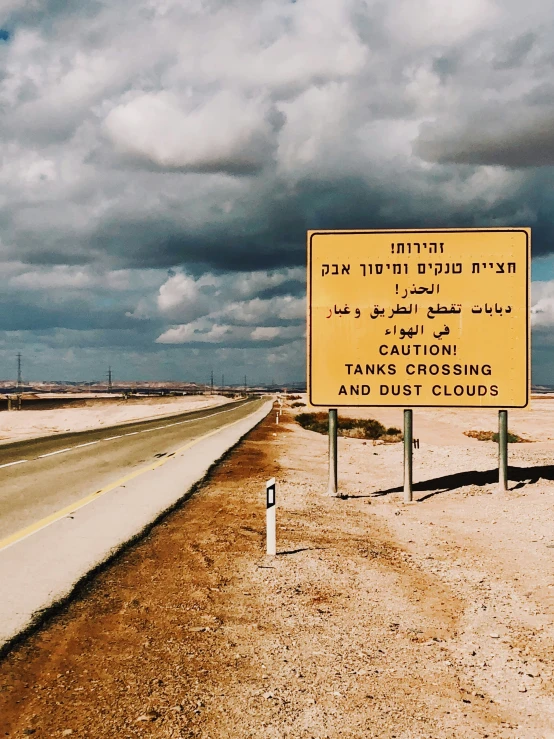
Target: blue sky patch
{"x":542,"y":268}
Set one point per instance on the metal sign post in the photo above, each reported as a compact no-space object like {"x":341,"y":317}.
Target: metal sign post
{"x":503,"y":450}
{"x":408,"y":457}
{"x":271,"y":535}
{"x":422,"y":318}
{"x":333,"y":463}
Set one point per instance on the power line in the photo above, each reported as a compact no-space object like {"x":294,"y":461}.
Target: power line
{"x":19,"y":382}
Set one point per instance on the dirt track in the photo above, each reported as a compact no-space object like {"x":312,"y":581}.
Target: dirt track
{"x":374,"y":620}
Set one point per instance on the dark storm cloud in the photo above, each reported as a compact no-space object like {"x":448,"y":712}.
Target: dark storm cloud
{"x":274,"y":236}
{"x":289,"y":287}
{"x":446,"y":66}
{"x":77,"y":315}
{"x":514,"y":51}
{"x":111,"y":338}
{"x":529,"y":144}
{"x":46,"y":14}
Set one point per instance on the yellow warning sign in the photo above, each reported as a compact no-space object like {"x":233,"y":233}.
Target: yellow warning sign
{"x":419,"y":318}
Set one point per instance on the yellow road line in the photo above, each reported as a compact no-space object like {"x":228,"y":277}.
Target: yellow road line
{"x":33,"y":528}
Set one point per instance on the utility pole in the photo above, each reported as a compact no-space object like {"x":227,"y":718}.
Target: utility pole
{"x":245,"y":384}
{"x":19,"y":382}
{"x":222,"y":382}
{"x":109,"y":379}
{"x":212,"y":383}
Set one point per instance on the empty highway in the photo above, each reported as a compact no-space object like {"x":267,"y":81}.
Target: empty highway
{"x":39,"y":477}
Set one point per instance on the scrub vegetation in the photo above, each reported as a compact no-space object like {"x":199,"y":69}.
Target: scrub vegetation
{"x":357,"y":428}
{"x":493,"y":436}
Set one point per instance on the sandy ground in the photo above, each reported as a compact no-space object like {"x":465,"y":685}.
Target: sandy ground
{"x":376,"y":619}
{"x":19,"y":425}
{"x":536,"y":422}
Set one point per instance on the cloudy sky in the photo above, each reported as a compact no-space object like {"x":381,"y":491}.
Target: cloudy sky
{"x":162,"y":161}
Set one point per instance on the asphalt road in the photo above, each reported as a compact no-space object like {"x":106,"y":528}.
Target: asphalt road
{"x":40,"y":476}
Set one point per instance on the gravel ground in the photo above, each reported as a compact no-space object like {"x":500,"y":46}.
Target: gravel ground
{"x":375,"y":619}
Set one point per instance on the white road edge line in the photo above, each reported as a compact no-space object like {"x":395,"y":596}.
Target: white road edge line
{"x":89,"y":443}
{"x":109,"y":438}
{"x":51,"y":454}
{"x":9,"y":464}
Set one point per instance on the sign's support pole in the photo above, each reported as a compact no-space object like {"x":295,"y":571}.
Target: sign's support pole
{"x":503,"y":450}
{"x":271,"y":536}
{"x":333,"y":464}
{"x":408,"y":437}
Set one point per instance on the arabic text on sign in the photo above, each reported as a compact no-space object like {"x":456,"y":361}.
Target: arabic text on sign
{"x":418,"y":290}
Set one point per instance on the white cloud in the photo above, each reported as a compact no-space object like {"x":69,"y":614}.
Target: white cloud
{"x":204,"y":331}
{"x":227,"y":133}
{"x":220,"y":309}
{"x":184,"y":297}
{"x":428,"y":22}
{"x":60,"y":276}
{"x":542,"y":309}
{"x":265,"y":333}
{"x":252,"y":312}
{"x":68,"y":278}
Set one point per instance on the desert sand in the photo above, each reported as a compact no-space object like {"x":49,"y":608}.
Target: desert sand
{"x":433,"y":620}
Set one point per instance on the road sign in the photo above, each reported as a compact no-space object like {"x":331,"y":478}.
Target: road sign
{"x":419,"y":318}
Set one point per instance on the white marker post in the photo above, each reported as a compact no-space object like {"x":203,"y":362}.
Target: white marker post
{"x":270,"y":517}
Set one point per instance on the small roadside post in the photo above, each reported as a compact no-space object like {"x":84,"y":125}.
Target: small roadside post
{"x":408,"y":458}
{"x":271,"y":537}
{"x":333,"y":463}
{"x":503,"y":450}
